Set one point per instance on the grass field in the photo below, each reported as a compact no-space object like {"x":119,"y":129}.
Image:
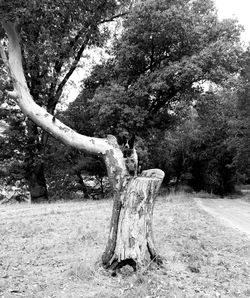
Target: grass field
{"x":54,"y":250}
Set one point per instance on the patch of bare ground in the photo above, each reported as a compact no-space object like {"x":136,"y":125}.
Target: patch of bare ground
{"x":53,"y":250}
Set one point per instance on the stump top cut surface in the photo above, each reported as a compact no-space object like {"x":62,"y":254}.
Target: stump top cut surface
{"x":142,"y":178}
{"x":153,"y":174}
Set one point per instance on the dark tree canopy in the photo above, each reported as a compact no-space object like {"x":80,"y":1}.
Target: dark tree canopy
{"x":54,"y":35}
{"x":164,"y":54}
{"x":161,"y":65}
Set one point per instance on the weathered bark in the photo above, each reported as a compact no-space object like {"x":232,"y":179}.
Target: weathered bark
{"x":134,"y":243}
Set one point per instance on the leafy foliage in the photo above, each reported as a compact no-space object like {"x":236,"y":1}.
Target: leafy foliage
{"x":212,"y":165}
{"x":242,"y":127}
{"x":154,"y":86}
{"x":167,"y":49}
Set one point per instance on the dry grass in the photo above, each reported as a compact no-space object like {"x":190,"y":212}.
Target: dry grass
{"x":54,"y":251}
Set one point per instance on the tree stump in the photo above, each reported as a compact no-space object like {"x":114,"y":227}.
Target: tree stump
{"x":134,"y":242}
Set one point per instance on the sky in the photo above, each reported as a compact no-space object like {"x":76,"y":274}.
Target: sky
{"x":236,"y":8}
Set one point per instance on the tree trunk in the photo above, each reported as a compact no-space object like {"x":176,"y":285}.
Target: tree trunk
{"x":34,"y":166}
{"x":83,"y":186}
{"x":134,"y":243}
{"x":37,"y":183}
{"x":131,"y":237}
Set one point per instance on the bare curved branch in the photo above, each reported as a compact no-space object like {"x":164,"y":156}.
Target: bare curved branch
{"x":38,"y":114}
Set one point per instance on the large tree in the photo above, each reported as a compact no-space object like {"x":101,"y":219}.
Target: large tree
{"x":164,"y":59}
{"x":165,"y":53}
{"x":54,"y":36}
{"x":130,"y":238}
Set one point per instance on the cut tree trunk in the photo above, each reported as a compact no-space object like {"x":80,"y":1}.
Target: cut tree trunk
{"x":134,"y":243}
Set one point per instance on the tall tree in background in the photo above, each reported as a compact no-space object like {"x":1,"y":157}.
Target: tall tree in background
{"x":242,"y":134}
{"x":167,"y":49}
{"x":167,"y":53}
{"x":211,"y":162}
{"x":54,"y":36}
